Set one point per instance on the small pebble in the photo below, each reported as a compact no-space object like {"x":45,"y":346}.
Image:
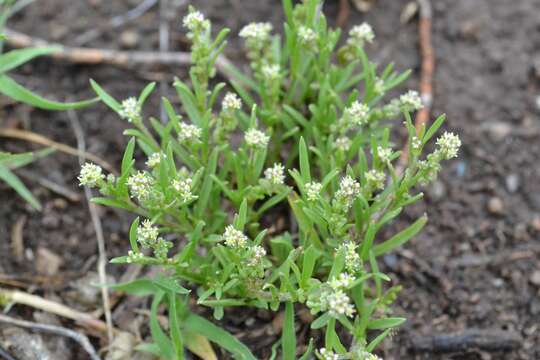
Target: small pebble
{"x":495,"y":206}
{"x":129,"y":39}
{"x":535,"y":278}
{"x":512,"y":183}
{"x":437,"y":190}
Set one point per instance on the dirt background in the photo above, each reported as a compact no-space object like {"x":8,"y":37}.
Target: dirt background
{"x":475,"y":266}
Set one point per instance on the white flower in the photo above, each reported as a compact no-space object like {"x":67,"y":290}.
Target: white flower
{"x":275,"y":174}
{"x":231,"y":102}
{"x":256,"y":138}
{"x":410,"y":101}
{"x":392,"y":109}
{"x":270,"y":72}
{"x":378,"y":87}
{"x":375,"y":179}
{"x":195,"y":20}
{"x":342,"y":282}
{"x":343,"y":143}
{"x":348,"y":190}
{"x":90,"y":175}
{"x":183,"y":187}
{"x":364,"y":355}
{"x":384,"y":154}
{"x":154,"y":160}
{"x":189,"y":132}
{"x":130,"y":110}
{"x":339,"y":304}
{"x":357,"y":113}
{"x":307,"y":36}
{"x":140,"y":184}
{"x":257,"y":32}
{"x":147,"y":234}
{"x":449,"y":145}
{"x":416,"y":143}
{"x":328,"y":355}
{"x":134,"y":256}
{"x":257,"y":254}
{"x":352,"y":259}
{"x":313,"y":190}
{"x":361,"y":34}
{"x":234,"y":238}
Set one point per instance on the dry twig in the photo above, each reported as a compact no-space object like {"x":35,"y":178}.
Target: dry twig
{"x":343,"y":13}
{"x":48,"y":184}
{"x":17,"y":240}
{"x":92,"y":56}
{"x":53,"y":329}
{"x":42,"y":140}
{"x":102,"y":258}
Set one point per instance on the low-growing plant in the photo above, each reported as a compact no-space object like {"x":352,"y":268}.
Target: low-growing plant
{"x":277,"y":195}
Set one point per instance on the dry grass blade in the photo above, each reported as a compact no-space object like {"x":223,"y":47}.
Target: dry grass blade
{"x":42,"y":140}
{"x":17,"y":240}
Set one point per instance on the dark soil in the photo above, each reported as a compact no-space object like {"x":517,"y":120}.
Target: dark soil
{"x":475,"y":266}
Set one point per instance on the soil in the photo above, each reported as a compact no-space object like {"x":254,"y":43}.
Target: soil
{"x":475,"y":266}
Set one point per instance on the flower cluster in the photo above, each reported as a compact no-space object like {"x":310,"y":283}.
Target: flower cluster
{"x":410,"y":101}
{"x":140,"y":185}
{"x":357,"y":113}
{"x":361,"y":34}
{"x":307,"y":37}
{"x":325,"y":354}
{"x":154,"y":159}
{"x":256,"y":254}
{"x":313,"y":190}
{"x":231,"y":102}
{"x":147,"y":234}
{"x":183,"y":188}
{"x":130,"y":110}
{"x":275,"y":175}
{"x":256,"y":32}
{"x":343,"y":143}
{"x":195,"y":21}
{"x":189,"y":132}
{"x":384,"y":154}
{"x":234,"y":238}
{"x":449,"y":145}
{"x":375,"y":179}
{"x":353,"y":263}
{"x":349,"y":189}
{"x":90,"y":175}
{"x":256,"y":138}
{"x":271,"y":72}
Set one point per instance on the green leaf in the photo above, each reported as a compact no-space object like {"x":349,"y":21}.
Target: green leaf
{"x":12,"y":180}
{"x":304,"y":161}
{"x":386,"y":323}
{"x":308,"y":265}
{"x":138,"y":287}
{"x":321,"y":321}
{"x":15,"y":58}
{"x":128,"y":156}
{"x":158,"y":335}
{"x":146,"y":91}
{"x":176,"y":334}
{"x":433,"y":128}
{"x":105,"y":97}
{"x":241,"y":218}
{"x":206,"y":188}
{"x":12,"y":89}
{"x":288,"y":337}
{"x":308,"y":352}
{"x":133,"y":235}
{"x":400,"y":238}
{"x":200,"y":325}
{"x":373,"y":344}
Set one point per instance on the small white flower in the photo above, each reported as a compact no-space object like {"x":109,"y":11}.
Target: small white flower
{"x":449,"y":145}
{"x":384,"y":154}
{"x":195,"y":20}
{"x":352,"y":259}
{"x":343,"y":143}
{"x":134,"y":257}
{"x":140,"y":184}
{"x":234,"y":238}
{"x":378,"y":87}
{"x":364,"y":355}
{"x":257,"y":254}
{"x":375,"y":179}
{"x":342,"y":282}
{"x":183,"y":187}
{"x":410,"y":101}
{"x":231,"y":102}
{"x":90,"y":175}
{"x":328,"y":355}
{"x":361,"y":34}
{"x":257,"y":32}
{"x":154,"y":160}
{"x":416,"y":143}
{"x":339,"y":304}
{"x":357,"y":113}
{"x":313,"y":190}
{"x":307,"y":36}
{"x":256,"y":138}
{"x":348,"y":190}
{"x":270,"y":72}
{"x":275,"y":174}
{"x":189,"y":132}
{"x":392,"y":109}
{"x":147,"y":234}
{"x":130,"y":110}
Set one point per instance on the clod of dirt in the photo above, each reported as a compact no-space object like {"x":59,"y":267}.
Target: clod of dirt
{"x":512,"y":182}
{"x":121,"y":347}
{"x":24,"y":345}
{"x":495,"y":206}
{"x":497,"y":131}
{"x":47,"y":262}
{"x":86,"y":290}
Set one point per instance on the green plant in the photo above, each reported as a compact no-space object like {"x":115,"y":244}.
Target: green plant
{"x":315,"y":111}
